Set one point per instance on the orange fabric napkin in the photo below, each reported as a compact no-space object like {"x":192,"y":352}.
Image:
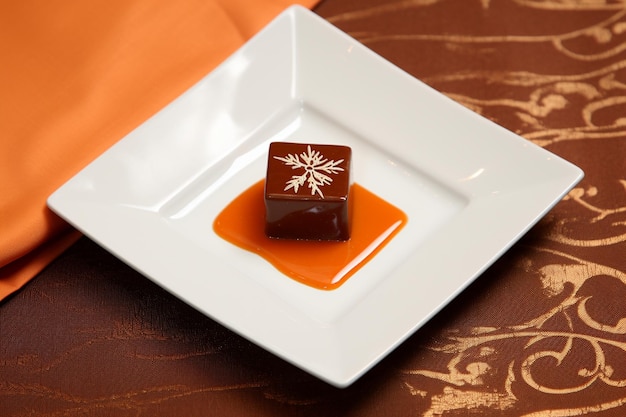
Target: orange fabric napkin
{"x":77,"y":76}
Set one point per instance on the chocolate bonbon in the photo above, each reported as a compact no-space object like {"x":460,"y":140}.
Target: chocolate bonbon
{"x":307,"y":191}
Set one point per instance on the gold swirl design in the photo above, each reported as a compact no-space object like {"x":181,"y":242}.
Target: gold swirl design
{"x":578,"y":195}
{"x":576,"y":5}
{"x":539,"y":347}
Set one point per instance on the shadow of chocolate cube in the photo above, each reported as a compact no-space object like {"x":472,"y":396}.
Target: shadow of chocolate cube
{"x":307,"y":192}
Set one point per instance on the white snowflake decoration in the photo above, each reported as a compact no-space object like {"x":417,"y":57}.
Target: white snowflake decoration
{"x":315,"y":166}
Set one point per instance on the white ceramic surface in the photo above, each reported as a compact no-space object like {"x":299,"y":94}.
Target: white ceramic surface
{"x":470,"y":189}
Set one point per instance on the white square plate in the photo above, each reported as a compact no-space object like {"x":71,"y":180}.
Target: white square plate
{"x":469,"y":187}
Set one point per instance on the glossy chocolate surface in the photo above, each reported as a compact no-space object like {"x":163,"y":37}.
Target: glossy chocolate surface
{"x":307,"y":191}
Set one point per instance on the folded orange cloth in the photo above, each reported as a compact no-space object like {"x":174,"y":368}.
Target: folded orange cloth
{"x":76,"y":77}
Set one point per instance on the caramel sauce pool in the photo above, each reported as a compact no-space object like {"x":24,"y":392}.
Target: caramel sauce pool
{"x":322,"y":265}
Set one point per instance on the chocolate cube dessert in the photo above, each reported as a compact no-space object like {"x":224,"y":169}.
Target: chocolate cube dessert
{"x":307,"y":192}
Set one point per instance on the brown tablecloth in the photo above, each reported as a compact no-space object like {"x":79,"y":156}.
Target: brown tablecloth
{"x":541,"y":333}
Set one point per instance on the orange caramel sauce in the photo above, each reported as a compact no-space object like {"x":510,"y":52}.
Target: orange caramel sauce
{"x":319,"y":264}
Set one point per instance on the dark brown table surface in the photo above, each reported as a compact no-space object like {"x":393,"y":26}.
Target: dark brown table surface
{"x":541,"y":333}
